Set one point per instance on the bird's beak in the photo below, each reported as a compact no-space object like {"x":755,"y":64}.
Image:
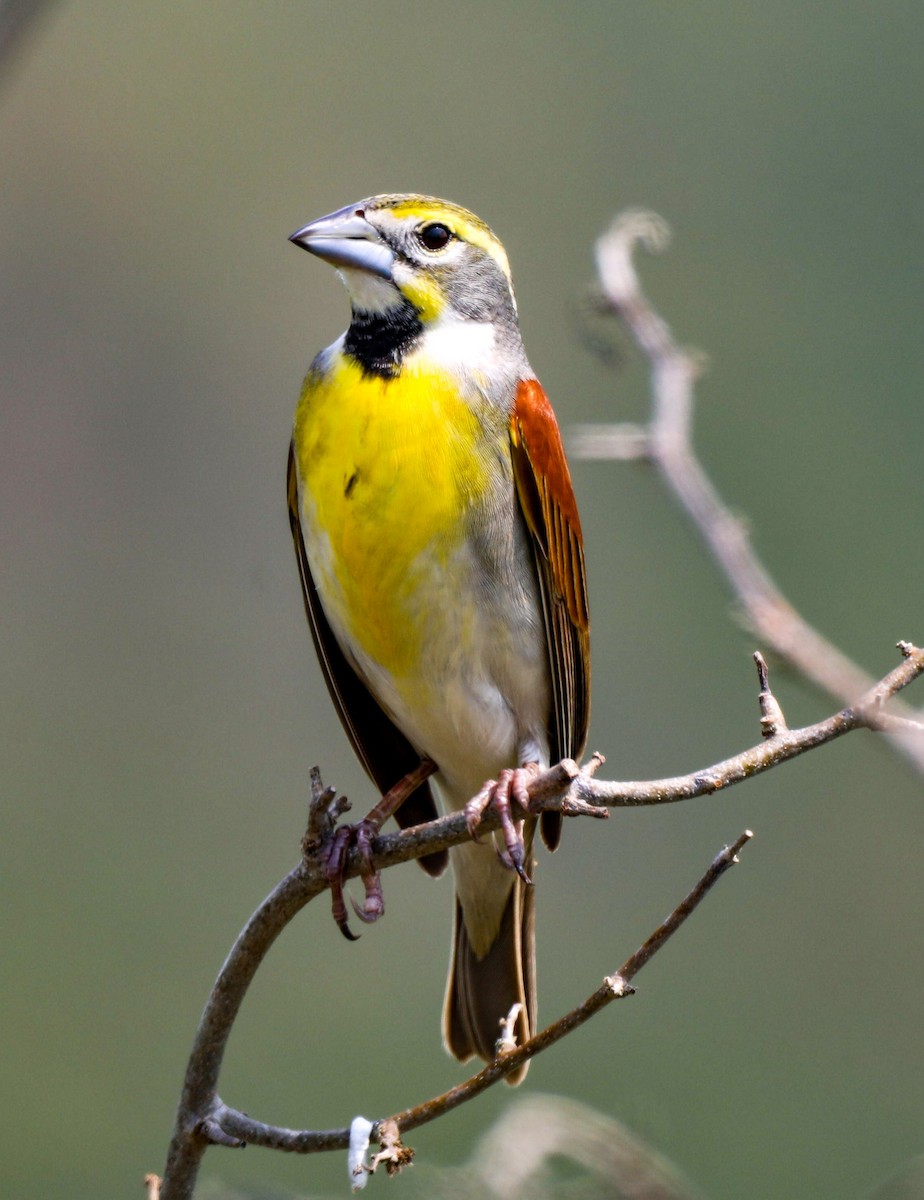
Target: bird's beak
{"x":346,"y":239}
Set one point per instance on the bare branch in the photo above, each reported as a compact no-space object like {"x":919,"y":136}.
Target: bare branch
{"x":785,"y":744}
{"x":614,"y":987}
{"x":667,"y":443}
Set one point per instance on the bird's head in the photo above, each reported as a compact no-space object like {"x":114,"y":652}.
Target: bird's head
{"x":396,"y":251}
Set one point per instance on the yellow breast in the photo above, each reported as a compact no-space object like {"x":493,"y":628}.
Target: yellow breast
{"x":390,"y":469}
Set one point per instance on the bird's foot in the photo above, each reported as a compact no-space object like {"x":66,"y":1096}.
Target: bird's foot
{"x":336,"y":844}
{"x":334,"y":858}
{"x":511,"y":784}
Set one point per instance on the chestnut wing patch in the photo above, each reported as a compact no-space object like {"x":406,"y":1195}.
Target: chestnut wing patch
{"x":546,"y":496}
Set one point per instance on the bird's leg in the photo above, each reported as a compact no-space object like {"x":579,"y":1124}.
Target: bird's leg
{"x":511,"y":783}
{"x":361,"y":835}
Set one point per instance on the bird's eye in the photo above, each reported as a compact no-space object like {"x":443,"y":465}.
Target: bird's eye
{"x":434,"y":237}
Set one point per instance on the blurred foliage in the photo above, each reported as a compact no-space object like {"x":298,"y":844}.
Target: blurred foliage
{"x":550,"y":1148}
{"x":161,"y":706}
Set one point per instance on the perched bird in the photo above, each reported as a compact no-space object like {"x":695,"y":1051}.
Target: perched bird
{"x":442,"y":564}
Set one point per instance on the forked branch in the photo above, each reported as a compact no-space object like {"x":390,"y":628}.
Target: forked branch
{"x":202,"y":1117}
{"x":666,"y":442}
{"x":613,"y":987}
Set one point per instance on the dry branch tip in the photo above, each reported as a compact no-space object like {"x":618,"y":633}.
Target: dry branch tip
{"x":772,"y":721}
{"x":394,"y":1155}
{"x":507,"y":1042}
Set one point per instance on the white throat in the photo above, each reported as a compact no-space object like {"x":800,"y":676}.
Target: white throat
{"x":453,"y":342}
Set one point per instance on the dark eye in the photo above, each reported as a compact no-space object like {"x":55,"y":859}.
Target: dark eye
{"x":434,"y":237}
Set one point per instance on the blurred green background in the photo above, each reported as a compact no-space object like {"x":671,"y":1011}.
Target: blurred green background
{"x":161,"y":703}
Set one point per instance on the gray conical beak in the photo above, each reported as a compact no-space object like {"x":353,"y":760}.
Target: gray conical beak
{"x":346,"y":239}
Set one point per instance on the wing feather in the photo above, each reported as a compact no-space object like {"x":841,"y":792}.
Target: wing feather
{"x":549,"y":507}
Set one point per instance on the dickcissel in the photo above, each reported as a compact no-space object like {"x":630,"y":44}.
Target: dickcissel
{"x":442,"y":564}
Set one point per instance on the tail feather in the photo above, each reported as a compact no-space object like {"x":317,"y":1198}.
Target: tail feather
{"x":481,"y":991}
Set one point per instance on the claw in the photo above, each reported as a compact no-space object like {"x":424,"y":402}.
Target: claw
{"x":474,"y":810}
{"x":514,"y":860}
{"x":510,"y":784}
{"x":367,"y":912}
{"x":361,"y":835}
{"x":373,"y":906}
{"x":334,"y":860}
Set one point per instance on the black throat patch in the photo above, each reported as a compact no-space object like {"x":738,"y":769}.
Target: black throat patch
{"x":379,"y":341}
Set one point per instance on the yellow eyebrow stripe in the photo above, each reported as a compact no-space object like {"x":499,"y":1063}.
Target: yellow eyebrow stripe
{"x":464,"y":224}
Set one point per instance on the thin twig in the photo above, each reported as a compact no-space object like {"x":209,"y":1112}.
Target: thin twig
{"x":667,"y":443}
{"x":866,"y":713}
{"x":614,"y":987}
